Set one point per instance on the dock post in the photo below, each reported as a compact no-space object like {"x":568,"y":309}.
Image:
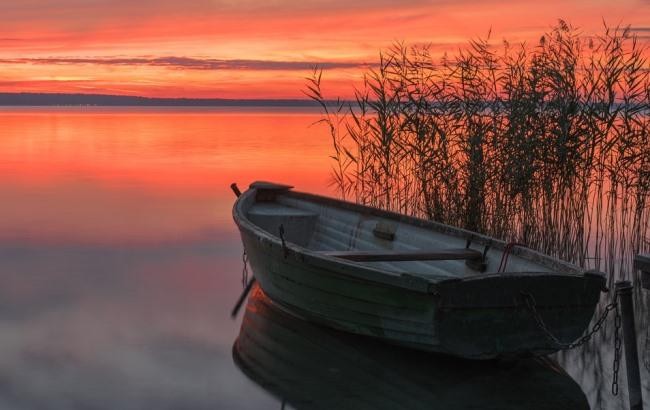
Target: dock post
{"x":624,"y":291}
{"x":642,"y":263}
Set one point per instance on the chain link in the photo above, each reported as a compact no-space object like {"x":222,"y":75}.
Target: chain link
{"x":244,"y":272}
{"x":284,"y":243}
{"x":529,"y":300}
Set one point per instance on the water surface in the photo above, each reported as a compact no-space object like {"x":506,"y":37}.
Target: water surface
{"x":120,"y":263}
{"x":119,"y":258}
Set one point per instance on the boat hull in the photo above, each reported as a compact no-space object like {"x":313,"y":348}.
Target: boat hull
{"x":477,"y":318}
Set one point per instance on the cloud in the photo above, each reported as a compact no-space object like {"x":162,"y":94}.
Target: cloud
{"x":642,"y":33}
{"x":188,"y":63}
{"x":72,"y":9}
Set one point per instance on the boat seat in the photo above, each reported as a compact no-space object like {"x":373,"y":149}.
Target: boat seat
{"x":395,"y":256}
{"x":299,"y":224}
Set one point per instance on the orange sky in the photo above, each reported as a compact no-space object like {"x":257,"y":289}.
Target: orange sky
{"x":254,"y":49}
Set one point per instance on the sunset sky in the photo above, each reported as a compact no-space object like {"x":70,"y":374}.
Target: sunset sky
{"x":254,"y":49}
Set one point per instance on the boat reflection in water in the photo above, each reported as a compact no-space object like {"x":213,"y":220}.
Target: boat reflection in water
{"x":311,"y":367}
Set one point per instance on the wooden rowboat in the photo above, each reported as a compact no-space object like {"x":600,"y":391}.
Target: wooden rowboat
{"x":409,"y":281}
{"x":312,"y":367}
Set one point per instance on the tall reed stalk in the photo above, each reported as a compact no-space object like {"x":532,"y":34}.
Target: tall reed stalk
{"x":547,"y":144}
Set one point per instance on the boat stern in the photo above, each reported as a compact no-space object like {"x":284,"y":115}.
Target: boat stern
{"x":515,"y":314}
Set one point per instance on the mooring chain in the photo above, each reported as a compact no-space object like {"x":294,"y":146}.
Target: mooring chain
{"x":530,"y":303}
{"x":244,"y":272}
{"x":529,"y":300}
{"x":285,"y":250}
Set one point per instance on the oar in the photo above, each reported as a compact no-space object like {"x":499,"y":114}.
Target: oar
{"x":235,"y":189}
{"x":249,"y":285}
{"x":242,"y":298}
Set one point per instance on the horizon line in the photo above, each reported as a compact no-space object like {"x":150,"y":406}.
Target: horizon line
{"x":83,"y":99}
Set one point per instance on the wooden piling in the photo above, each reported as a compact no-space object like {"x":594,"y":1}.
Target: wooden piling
{"x":624,"y":291}
{"x":642,"y":262}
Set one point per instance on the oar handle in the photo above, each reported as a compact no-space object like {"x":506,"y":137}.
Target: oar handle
{"x":242,"y":298}
{"x":235,"y":189}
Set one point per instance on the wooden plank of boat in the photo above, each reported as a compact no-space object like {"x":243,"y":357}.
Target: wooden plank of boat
{"x":394,"y":256}
{"x":415,"y":283}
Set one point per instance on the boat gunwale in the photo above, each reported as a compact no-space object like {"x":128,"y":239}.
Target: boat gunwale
{"x":411,"y":281}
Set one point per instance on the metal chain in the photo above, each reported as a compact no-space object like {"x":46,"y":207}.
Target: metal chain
{"x":244,"y":272}
{"x":529,"y":300}
{"x":285,"y":250}
{"x":530,"y":303}
{"x":617,"y":350}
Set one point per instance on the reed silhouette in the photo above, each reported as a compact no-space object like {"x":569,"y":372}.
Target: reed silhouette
{"x":545,"y":144}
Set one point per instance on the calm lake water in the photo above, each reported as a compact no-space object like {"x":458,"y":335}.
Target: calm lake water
{"x":120,"y":263}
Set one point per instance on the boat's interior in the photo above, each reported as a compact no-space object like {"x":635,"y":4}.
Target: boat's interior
{"x":381,"y":242}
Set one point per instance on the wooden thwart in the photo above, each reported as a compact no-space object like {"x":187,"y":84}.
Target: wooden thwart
{"x":393,"y":256}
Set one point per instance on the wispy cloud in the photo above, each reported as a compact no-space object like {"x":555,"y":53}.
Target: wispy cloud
{"x":71,"y":9}
{"x":250,"y":48}
{"x":189,"y":63}
{"x":641,"y":32}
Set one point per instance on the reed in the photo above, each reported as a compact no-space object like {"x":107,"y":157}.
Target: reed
{"x":547,"y":144}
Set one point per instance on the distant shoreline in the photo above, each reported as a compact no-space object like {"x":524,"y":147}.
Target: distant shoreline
{"x":107,"y":100}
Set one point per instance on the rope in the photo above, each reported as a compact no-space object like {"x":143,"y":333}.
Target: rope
{"x":506,"y":254}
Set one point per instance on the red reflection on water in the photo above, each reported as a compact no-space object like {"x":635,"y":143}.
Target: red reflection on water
{"x":143,"y":174}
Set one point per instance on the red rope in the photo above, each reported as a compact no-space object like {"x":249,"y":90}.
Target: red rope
{"x":506,"y":254}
